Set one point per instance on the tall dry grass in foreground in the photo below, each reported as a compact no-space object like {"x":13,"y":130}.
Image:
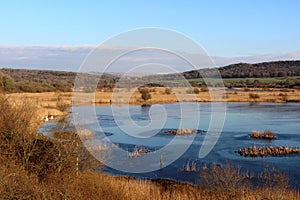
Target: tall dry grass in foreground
{"x":18,"y":184}
{"x":36,"y":167}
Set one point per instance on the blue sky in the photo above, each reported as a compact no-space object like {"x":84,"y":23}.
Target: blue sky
{"x":224,"y":28}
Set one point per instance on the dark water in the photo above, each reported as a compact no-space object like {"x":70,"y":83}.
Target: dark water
{"x":241,"y":119}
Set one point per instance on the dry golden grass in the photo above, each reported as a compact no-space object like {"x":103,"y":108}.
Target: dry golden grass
{"x":18,"y":184}
{"x":267,"y":134}
{"x":47,"y":101}
{"x":54,"y":103}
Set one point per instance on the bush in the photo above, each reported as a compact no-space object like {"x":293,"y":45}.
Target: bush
{"x":49,"y":157}
{"x":145,"y":94}
{"x":227,"y":180}
{"x":284,"y":90}
{"x":16,"y":183}
{"x":37,"y":154}
{"x":196,"y":91}
{"x":18,"y":123}
{"x":204,"y":89}
{"x":284,"y":96}
{"x":7,"y":84}
{"x":273,"y":179}
{"x":253,"y":96}
{"x":168,"y":91}
{"x":61,"y":104}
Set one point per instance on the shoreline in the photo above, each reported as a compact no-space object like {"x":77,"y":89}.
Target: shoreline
{"x":47,"y":103}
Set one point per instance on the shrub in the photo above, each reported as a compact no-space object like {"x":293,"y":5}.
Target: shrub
{"x":284,"y":90}
{"x":204,"y":89}
{"x":227,"y":179}
{"x":145,"y":94}
{"x":60,"y":103}
{"x":253,"y":96}
{"x":48,"y":157}
{"x":16,"y":183}
{"x":168,"y":91}
{"x":284,"y":96}
{"x":196,"y":91}
{"x":273,"y":179}
{"x":18,"y":123}
{"x":7,"y":84}
{"x":246,"y":89}
{"x":152,"y":90}
{"x":37,"y":154}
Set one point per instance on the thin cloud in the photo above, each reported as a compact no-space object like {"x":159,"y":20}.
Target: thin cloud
{"x":70,"y":58}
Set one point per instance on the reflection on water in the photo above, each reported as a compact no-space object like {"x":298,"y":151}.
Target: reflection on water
{"x":241,"y":119}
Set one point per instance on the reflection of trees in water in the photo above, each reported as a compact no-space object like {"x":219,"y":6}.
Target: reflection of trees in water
{"x":145,"y":111}
{"x":145,"y":107}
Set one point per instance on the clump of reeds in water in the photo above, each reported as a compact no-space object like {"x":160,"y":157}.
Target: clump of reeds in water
{"x":268,"y":151}
{"x":86,"y":134}
{"x":98,"y":147}
{"x":191,"y":166}
{"x":267,"y":134}
{"x":138,"y":152}
{"x":182,"y":131}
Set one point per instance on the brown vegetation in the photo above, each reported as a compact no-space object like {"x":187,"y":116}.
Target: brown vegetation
{"x":228,"y":180}
{"x":267,"y":134}
{"x":145,"y":93}
{"x":182,"y":131}
{"x":268,"y":151}
{"x":168,"y":91}
{"x":18,"y":184}
{"x":138,"y":152}
{"x":253,"y":96}
{"x":191,"y":166}
{"x":233,"y":183}
{"x":52,"y":103}
{"x":196,"y":90}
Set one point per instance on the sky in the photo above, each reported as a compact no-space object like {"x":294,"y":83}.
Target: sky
{"x":224,"y":28}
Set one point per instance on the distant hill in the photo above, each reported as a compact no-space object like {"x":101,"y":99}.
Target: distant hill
{"x":24,"y":80}
{"x":277,"y":74}
{"x":258,"y":70}
{"x":286,"y":73}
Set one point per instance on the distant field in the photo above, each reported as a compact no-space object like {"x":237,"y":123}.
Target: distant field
{"x":257,"y":82}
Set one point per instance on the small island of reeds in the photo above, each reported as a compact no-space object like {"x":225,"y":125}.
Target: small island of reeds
{"x":268,"y":151}
{"x":182,"y":131}
{"x":267,"y":134}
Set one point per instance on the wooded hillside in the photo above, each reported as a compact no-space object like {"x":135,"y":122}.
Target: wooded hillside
{"x":24,"y":80}
{"x":258,"y":70}
{"x":285,"y":74}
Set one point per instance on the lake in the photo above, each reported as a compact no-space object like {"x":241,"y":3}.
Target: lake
{"x":113,"y":124}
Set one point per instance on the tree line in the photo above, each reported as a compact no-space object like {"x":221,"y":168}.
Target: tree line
{"x":24,"y":80}
{"x":245,"y":70}
{"x":245,"y":75}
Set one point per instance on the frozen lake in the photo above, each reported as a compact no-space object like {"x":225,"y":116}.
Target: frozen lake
{"x":148,"y":124}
